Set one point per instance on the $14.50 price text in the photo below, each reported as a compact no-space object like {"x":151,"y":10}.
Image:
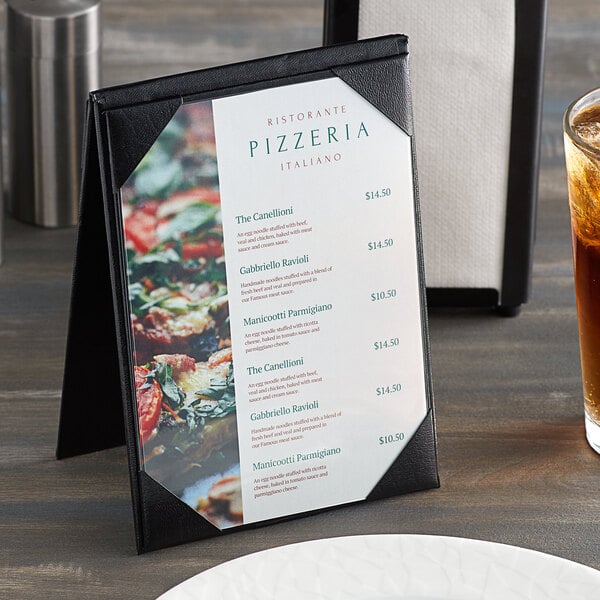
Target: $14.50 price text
{"x":385,"y":344}
{"x":379,"y":244}
{"x":388,"y":389}
{"x":378,"y":194}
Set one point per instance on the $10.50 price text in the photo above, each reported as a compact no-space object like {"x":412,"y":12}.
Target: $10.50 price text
{"x":390,"y":438}
{"x":383,"y":295}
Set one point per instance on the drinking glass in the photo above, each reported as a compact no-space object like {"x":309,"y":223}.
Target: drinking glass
{"x":582,"y":153}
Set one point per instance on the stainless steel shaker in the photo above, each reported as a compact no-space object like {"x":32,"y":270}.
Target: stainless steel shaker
{"x":53,"y":61}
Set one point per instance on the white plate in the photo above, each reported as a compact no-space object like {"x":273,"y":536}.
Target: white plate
{"x":399,"y":567}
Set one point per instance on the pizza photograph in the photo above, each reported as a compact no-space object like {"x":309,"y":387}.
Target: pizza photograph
{"x":182,"y":356}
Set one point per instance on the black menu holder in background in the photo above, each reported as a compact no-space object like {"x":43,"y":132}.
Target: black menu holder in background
{"x":447,"y":233}
{"x":98,"y":409}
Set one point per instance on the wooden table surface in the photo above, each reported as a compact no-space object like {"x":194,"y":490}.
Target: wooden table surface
{"x":514,"y":463}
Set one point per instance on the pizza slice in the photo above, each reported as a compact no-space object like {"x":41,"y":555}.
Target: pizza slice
{"x":187,"y":418}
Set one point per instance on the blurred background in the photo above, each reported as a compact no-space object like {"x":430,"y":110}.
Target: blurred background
{"x":144,"y":39}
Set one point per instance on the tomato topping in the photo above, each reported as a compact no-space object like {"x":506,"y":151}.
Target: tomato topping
{"x":180,"y":363}
{"x":199,"y":194}
{"x":149,"y":402}
{"x":140,"y":230}
{"x":209,"y":248}
{"x":220,"y":357}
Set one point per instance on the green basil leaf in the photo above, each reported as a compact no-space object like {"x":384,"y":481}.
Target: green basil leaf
{"x":171,"y":391}
{"x":189,"y":220}
{"x":158,"y":174}
{"x":164,"y":257}
{"x":140,"y":301}
{"x":158,"y":266}
{"x":222,"y":391}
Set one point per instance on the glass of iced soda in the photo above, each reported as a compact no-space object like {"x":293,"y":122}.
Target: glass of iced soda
{"x":582,"y":151}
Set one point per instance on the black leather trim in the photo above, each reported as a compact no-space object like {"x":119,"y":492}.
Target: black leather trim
{"x":138,"y":126}
{"x":402,"y":477}
{"x":166,"y":520}
{"x":248,"y":73}
{"x":378,"y":82}
{"x":117,"y":255}
{"x":91,"y":376}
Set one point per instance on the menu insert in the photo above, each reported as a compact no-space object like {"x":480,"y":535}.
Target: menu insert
{"x":275,"y":301}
